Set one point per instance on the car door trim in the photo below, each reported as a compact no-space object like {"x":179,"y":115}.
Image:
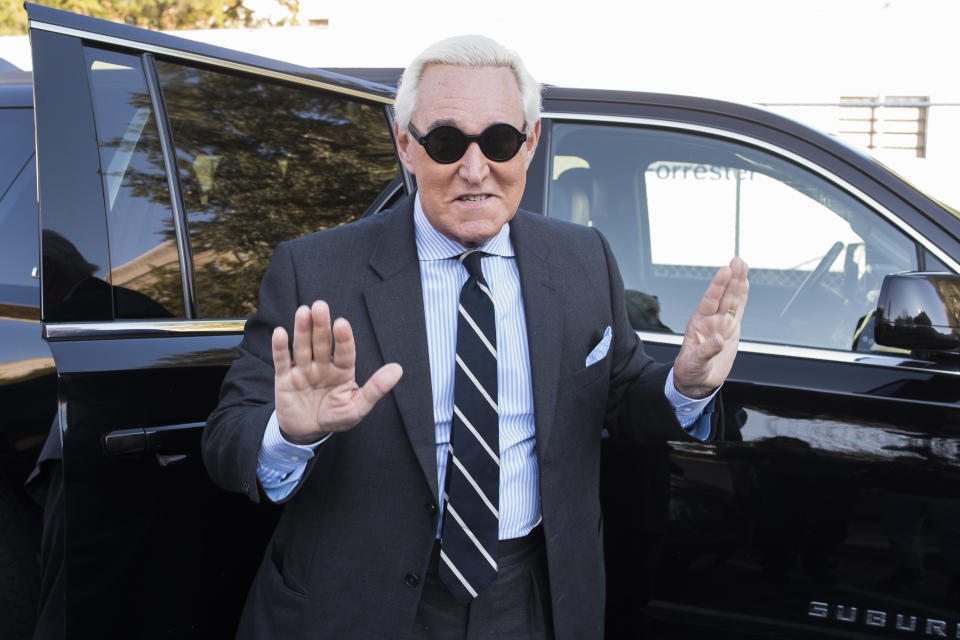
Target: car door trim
{"x":777,"y":150}
{"x":56,"y":331}
{"x":156,"y":328}
{"x":167,"y":150}
{"x":208,"y":60}
{"x":811,"y":353}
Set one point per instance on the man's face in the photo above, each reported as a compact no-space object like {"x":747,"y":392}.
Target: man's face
{"x":471,"y":199}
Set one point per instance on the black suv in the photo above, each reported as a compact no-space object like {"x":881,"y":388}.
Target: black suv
{"x":167,"y":171}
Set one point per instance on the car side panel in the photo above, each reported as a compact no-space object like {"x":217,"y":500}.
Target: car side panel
{"x":824,"y":502}
{"x":829,"y":504}
{"x":142,"y":515}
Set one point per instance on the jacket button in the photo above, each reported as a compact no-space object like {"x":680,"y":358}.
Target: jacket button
{"x":431,"y":509}
{"x":411,"y":579}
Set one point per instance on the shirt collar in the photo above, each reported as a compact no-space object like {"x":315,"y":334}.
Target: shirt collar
{"x":433,"y":245}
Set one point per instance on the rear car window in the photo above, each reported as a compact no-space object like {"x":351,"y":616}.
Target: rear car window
{"x":19,"y":246}
{"x":16,"y":131}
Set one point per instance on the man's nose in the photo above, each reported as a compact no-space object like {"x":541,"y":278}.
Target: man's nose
{"x":474,"y":166}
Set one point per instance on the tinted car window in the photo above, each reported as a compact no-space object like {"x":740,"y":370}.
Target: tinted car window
{"x":144,"y":267}
{"x":676,"y":206}
{"x":262,"y":162}
{"x":16,"y":131}
{"x":19,"y":247}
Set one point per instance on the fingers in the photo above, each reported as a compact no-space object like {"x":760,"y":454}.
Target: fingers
{"x":302,"y":350}
{"x":311,"y":334}
{"x":712,"y":336}
{"x":699,"y":351}
{"x":734,"y":296}
{"x":320,"y":336}
{"x":727,"y":292}
{"x":710,"y":302}
{"x":709,"y":348}
{"x":281,"y":355}
{"x":312,"y":340}
{"x":379,"y":385}
{"x":318,"y":341}
{"x":345,"y":352}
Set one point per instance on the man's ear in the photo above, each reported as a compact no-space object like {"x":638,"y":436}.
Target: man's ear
{"x":404,"y":150}
{"x":530,"y":144}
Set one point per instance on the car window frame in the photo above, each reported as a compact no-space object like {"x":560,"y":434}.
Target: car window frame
{"x":802,"y":352}
{"x":238,"y":63}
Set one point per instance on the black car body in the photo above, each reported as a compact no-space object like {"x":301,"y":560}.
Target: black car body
{"x":28,"y":387}
{"x":168,"y":170}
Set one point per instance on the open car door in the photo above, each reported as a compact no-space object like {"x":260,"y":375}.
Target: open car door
{"x":167,"y":172}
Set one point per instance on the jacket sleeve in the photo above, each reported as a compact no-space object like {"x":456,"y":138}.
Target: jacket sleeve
{"x":234,"y":431}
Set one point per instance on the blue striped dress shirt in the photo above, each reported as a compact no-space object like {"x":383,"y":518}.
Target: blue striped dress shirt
{"x":281,"y":463}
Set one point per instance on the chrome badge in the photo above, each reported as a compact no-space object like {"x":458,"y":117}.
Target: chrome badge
{"x":879,"y":619}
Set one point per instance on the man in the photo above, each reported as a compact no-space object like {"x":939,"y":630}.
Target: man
{"x":387,"y":525}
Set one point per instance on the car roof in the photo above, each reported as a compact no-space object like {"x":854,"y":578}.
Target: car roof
{"x":388,"y":76}
{"x":684,"y":108}
{"x":117,"y":34}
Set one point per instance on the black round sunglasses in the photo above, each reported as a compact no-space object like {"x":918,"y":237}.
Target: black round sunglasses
{"x":446,"y":144}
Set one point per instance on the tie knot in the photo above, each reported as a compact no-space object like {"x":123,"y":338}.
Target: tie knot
{"x":471,"y":260}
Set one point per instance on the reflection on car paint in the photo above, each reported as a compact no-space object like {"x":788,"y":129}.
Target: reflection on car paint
{"x":863,"y":440}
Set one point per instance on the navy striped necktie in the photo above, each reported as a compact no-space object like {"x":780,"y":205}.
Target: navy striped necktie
{"x":470,"y":532}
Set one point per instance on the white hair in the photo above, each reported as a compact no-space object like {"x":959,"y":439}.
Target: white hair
{"x":466,"y":51}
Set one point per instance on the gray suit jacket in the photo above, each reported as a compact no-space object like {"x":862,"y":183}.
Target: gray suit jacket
{"x":352,"y":544}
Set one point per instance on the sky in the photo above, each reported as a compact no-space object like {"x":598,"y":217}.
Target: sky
{"x":745,"y":50}
{"x":749,"y":51}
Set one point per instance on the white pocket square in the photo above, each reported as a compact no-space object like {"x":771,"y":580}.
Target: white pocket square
{"x":599,"y":351}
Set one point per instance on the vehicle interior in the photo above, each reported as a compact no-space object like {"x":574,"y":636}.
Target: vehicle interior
{"x":676,"y":205}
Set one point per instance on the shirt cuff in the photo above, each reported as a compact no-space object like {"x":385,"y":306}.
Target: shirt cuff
{"x":279,"y":489}
{"x":279,"y":458}
{"x":688,"y":410}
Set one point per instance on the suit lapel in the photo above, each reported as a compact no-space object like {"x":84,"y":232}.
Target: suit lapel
{"x":544,"y":316}
{"x":395,"y":306}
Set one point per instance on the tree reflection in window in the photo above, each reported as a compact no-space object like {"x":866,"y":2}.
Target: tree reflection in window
{"x":262,"y":162}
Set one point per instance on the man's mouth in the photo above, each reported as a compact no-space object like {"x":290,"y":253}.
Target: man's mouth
{"x":474,"y":198}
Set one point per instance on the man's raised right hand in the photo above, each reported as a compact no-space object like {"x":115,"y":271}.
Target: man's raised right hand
{"x":315,"y":390}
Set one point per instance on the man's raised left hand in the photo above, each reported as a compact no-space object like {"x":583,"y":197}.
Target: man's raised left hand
{"x":713,"y":333}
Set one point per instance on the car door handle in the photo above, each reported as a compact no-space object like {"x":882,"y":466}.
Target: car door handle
{"x":170,"y":442}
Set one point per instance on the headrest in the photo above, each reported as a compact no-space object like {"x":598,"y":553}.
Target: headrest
{"x":572,"y":196}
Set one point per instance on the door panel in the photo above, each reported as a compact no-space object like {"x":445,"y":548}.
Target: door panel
{"x":164,"y":187}
{"x":150,"y":523}
{"x":820,"y":502}
{"x":830,"y":502}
